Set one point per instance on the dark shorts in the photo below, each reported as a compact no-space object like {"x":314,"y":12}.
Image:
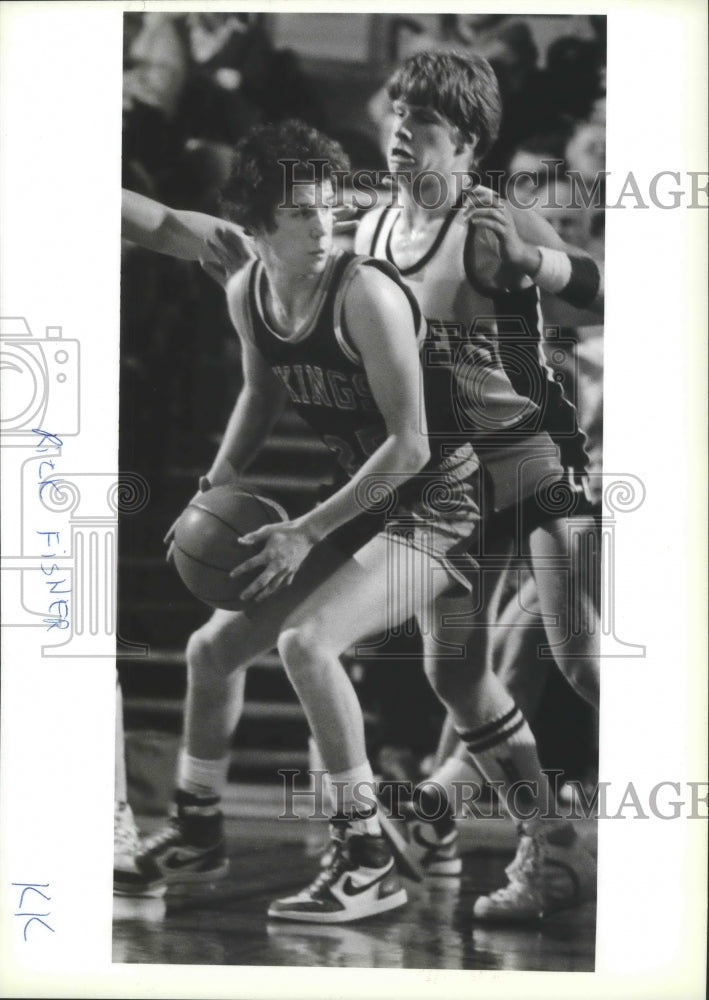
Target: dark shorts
{"x":524,"y":486}
{"x":561,"y":497}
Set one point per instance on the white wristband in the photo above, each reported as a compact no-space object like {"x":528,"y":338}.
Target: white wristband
{"x":554,"y":272}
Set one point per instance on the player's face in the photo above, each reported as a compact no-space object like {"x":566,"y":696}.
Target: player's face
{"x":302,"y":239}
{"x":422,"y":139}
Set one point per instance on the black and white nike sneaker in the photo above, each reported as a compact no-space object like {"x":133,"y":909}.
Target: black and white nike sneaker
{"x":190,"y":849}
{"x":359,"y":881}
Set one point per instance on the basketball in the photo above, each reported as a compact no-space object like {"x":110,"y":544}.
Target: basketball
{"x":206,"y":542}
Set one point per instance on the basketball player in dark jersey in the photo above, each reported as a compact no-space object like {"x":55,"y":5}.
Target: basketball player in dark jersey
{"x":335,"y":336}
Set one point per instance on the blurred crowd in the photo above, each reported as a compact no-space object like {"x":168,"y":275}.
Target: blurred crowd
{"x":195,"y":83}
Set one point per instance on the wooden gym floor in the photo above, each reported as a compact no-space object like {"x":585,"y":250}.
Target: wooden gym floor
{"x":226,"y":923}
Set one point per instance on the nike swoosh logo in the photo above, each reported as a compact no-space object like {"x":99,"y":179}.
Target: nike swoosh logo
{"x":179,"y":858}
{"x":350,"y":889}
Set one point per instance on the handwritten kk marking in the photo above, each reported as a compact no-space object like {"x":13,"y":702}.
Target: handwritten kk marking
{"x":32,"y":887}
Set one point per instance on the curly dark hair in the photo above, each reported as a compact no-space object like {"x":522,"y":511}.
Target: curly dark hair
{"x":266,"y":164}
{"x":460,"y":86}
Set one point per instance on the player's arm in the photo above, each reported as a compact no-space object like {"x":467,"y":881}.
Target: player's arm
{"x":381,"y":327}
{"x":379,"y":322}
{"x":258,"y":406}
{"x":218,"y":245}
{"x":559,"y":268}
{"x":531,"y":248}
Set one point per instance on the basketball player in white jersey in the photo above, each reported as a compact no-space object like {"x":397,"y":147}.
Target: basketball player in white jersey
{"x":446,"y":111}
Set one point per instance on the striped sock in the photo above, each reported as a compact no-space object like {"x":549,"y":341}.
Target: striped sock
{"x":504,"y":750}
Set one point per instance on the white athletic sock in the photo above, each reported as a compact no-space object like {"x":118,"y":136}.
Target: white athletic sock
{"x":202,"y":777}
{"x":354,"y":791}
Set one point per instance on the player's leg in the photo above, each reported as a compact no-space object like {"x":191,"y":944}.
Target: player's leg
{"x":192,"y":847}
{"x":515,"y":642}
{"x":551,"y":870}
{"x":506,"y":641}
{"x":485,"y":717}
{"x":126,"y":840}
{"x":356,"y":602}
{"x":567,"y":599}
{"x":431,"y":812}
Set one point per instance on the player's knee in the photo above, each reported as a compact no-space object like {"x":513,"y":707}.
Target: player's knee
{"x":203,"y":655}
{"x":300,"y":646}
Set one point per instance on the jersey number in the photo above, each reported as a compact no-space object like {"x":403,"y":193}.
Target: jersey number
{"x":369,"y":438}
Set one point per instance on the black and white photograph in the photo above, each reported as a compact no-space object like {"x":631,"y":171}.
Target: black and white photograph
{"x":345,"y":560}
{"x":381,"y":658}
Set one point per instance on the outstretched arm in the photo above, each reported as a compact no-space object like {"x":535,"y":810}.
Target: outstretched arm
{"x":187,"y":235}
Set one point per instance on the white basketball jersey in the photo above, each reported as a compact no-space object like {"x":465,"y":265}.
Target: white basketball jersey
{"x":463,"y":323}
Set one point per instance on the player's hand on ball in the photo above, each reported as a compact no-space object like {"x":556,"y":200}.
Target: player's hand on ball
{"x":226,"y":254}
{"x":285,"y":546}
{"x":486,"y":209}
{"x":204,"y":485}
{"x":488,"y":212}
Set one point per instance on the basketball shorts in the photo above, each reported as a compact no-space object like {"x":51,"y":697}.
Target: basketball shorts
{"x":438,"y":516}
{"x":525,"y":486}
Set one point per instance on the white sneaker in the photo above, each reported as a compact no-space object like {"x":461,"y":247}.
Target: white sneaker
{"x":551,"y":871}
{"x":126,"y":839}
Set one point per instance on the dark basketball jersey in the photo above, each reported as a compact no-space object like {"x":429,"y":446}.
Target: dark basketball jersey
{"x":490,"y":343}
{"x":319,"y":366}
